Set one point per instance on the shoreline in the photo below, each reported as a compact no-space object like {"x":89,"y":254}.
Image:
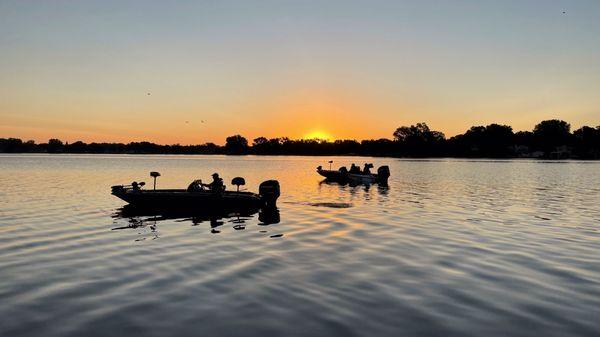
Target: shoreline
{"x":431,"y":158}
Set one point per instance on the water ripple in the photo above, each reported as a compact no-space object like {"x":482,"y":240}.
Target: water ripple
{"x":450,"y":248}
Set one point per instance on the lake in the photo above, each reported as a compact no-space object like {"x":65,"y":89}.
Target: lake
{"x":450,"y":248}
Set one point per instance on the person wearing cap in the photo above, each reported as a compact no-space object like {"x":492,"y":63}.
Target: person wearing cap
{"x":217,"y":184}
{"x":367,"y":169}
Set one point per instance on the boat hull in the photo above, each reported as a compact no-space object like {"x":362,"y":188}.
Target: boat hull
{"x":182,"y":199}
{"x":363,"y":178}
{"x":345,"y":177}
{"x":333,"y":175}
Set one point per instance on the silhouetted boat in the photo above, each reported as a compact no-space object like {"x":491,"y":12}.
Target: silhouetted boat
{"x":135,"y":195}
{"x":343,"y":175}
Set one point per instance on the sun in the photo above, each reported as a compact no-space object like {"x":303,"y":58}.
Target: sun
{"x":318,"y":134}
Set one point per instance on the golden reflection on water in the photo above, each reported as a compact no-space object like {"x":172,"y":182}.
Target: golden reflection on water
{"x":449,"y":248}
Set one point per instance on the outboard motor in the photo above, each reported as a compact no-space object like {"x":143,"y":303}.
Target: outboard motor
{"x":383,"y":173}
{"x":269,"y":192}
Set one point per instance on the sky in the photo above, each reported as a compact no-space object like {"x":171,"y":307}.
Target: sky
{"x":191,"y":72}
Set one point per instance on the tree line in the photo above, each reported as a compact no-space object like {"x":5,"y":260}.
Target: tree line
{"x":549,"y":139}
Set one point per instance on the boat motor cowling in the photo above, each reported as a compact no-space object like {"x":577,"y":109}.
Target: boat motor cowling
{"x":269,"y":191}
{"x":383,"y":173}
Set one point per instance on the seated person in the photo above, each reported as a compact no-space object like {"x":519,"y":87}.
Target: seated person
{"x":367,"y":169}
{"x":216,"y":185}
{"x":354,"y":169}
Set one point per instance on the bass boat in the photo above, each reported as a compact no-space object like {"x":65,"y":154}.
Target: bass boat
{"x":198,"y":197}
{"x":344,"y":176}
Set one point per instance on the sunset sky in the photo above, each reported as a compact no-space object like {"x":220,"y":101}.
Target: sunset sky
{"x":198,"y":71}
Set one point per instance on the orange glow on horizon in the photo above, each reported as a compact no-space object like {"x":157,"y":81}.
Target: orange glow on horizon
{"x":318,"y":134}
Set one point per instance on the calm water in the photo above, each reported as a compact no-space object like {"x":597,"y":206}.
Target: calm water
{"x":451,"y":248}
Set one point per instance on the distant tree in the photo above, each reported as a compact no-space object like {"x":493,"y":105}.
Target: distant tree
{"x":145,"y":147}
{"x":378,"y":147}
{"x":29,"y":146}
{"x":11,"y":145}
{"x":77,"y":147}
{"x":419,"y":140}
{"x":493,"y":141}
{"x":549,"y":134}
{"x":404,"y":133}
{"x":418,"y":132}
{"x":587,"y":142}
{"x":499,"y":139}
{"x":236,"y":145}
{"x":55,"y":146}
{"x":346,"y":146}
{"x":260,"y":141}
{"x":523,"y":138}
{"x":262,"y":145}
{"x":211,"y":148}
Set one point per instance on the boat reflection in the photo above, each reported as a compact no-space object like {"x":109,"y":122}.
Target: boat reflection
{"x":138,"y":217}
{"x":382,"y":188}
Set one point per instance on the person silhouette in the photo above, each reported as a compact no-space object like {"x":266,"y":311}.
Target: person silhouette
{"x":216,"y":186}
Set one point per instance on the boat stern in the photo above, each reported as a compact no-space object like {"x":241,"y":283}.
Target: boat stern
{"x":269,"y":191}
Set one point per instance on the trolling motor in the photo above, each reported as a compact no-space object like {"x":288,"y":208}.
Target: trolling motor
{"x":135,"y":186}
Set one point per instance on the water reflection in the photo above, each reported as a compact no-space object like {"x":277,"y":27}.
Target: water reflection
{"x":138,"y":222}
{"x":354,"y":192}
{"x":450,"y":249}
{"x":138,"y":217}
{"x":343,"y":185}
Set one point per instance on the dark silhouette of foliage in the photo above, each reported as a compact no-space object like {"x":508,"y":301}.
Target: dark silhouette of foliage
{"x":493,"y":141}
{"x":587,"y":142}
{"x":419,"y":141}
{"x":550,"y":134}
{"x":11,"y":145}
{"x":236,"y":145}
{"x":378,"y":147}
{"x":549,"y":139}
{"x":54,"y":146}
